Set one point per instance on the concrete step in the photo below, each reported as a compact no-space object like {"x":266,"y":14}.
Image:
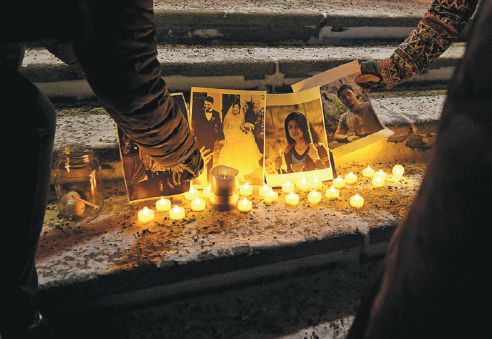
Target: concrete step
{"x":112,"y":261}
{"x":273,"y":69}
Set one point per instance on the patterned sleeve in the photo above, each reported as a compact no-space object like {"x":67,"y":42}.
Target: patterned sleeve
{"x":439,"y":28}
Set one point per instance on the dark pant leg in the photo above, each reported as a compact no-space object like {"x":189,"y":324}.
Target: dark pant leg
{"x":28,"y":121}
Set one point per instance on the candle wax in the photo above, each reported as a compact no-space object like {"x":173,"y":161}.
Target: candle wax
{"x":381,"y":174}
{"x":198,"y":205}
{"x":314,"y":197}
{"x":356,"y":201}
{"x":292,"y":199}
{"x":145,"y":215}
{"x":263,"y":190}
{"x":163,"y":204}
{"x":288,"y":187}
{"x":191,"y":194}
{"x":177,"y":213}
{"x":206,"y":191}
{"x":339,"y":182}
{"x":350,"y":178}
{"x":244,"y":205}
{"x":368,"y":172}
{"x":377,"y":181}
{"x":303,"y":184}
{"x":271,"y":196}
{"x":316,"y":183}
{"x":246,"y":189}
{"x":398,"y":170}
{"x":332,"y":193}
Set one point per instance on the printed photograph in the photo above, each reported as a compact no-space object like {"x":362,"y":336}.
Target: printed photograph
{"x":144,"y":178}
{"x":351,"y":122}
{"x":230,"y":125}
{"x":296,"y":145}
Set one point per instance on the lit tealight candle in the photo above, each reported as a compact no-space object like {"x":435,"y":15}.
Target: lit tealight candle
{"x":356,"y":201}
{"x":263,"y":190}
{"x":332,"y":193}
{"x":303,"y":184}
{"x":198,"y":204}
{"x":350,"y":178}
{"x":381,"y":174}
{"x":292,"y":199}
{"x":368,"y":172}
{"x":191,"y":194}
{"x":244,"y":205}
{"x":145,"y":215}
{"x":177,"y":213}
{"x":339,"y":182}
{"x":398,"y":170}
{"x":271,"y":196}
{"x":314,"y":197}
{"x":206,"y":191}
{"x":377,"y":181}
{"x":246,"y":189}
{"x":288,"y":187}
{"x":316,"y":183}
{"x":163,"y":204}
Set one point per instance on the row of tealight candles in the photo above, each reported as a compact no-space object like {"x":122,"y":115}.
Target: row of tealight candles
{"x":176,"y":212}
{"x":244,"y":205}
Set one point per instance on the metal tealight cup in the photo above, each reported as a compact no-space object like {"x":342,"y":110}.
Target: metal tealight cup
{"x":225,"y":187}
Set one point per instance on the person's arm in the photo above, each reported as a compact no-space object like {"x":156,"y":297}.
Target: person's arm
{"x":435,"y":33}
{"x":117,"y":48}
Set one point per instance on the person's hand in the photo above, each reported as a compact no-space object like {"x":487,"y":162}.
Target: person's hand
{"x":370,"y":76}
{"x":190,"y":169}
{"x":177,"y":173}
{"x":353,"y":138}
{"x":206,"y":155}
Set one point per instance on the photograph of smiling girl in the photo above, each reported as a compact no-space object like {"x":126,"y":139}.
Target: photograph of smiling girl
{"x":351,"y":122}
{"x":295,"y":140}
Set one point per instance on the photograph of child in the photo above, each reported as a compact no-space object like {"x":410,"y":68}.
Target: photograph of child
{"x":296,"y":144}
{"x":229,"y":123}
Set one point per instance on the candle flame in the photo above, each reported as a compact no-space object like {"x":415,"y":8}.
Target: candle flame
{"x":192,"y":190}
{"x":303,"y":180}
{"x":314,"y":193}
{"x":176,"y":208}
{"x":368,"y":167}
{"x":246,"y":185}
{"x":332,"y":189}
{"x":357,"y":197}
{"x":197,"y":200}
{"x":339,"y":178}
{"x":291,"y":194}
{"x":315,"y":179}
{"x":145,"y":210}
{"x":245,"y":201}
{"x":351,"y":174}
{"x":287,"y":183}
{"x":271,"y":192}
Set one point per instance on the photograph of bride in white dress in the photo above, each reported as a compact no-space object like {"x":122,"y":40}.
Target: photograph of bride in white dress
{"x":239,"y":149}
{"x":239,"y":121}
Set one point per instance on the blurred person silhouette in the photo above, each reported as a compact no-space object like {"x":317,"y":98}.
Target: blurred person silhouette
{"x":434,"y":281}
{"x":113,"y":44}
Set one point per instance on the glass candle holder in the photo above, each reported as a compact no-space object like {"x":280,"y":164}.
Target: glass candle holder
{"x":78,"y":182}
